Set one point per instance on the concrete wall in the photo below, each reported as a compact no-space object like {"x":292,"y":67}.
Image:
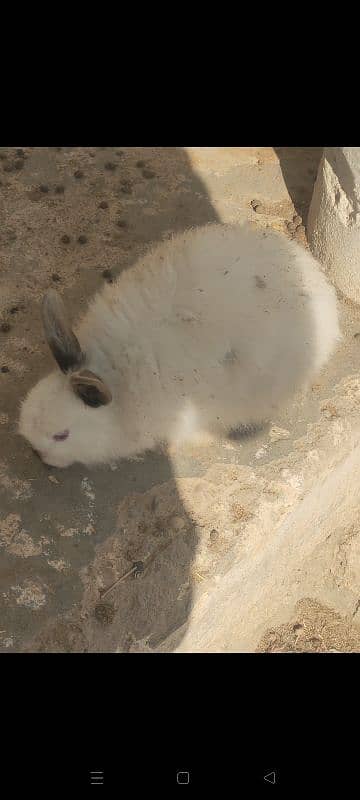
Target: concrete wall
{"x":334,"y":219}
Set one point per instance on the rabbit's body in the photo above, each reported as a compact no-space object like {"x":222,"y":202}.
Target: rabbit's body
{"x":214,"y":328}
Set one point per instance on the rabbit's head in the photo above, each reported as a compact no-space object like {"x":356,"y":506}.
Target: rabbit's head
{"x":66,"y":417}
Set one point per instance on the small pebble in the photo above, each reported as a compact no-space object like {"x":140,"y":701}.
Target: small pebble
{"x":126,"y":187}
{"x":148,"y":173}
{"x":82,"y":239}
{"x":55,"y":277}
{"x":78,"y":174}
{"x":258,"y":208}
{"x":141,"y":164}
{"x":5,"y":369}
{"x":14,"y":309}
{"x":300,"y":229}
{"x":110,"y":166}
{"x":103,"y":204}
{"x":107,"y":274}
{"x":19,"y":163}
{"x":291,"y":226}
{"x":44,"y":188}
{"x":121,"y":223}
{"x":59,"y":189}
{"x":5,"y":327}
{"x":297,"y":219}
{"x":254,"y":203}
{"x":65,"y":239}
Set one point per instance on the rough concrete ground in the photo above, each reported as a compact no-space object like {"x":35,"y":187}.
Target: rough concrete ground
{"x":73,"y":217}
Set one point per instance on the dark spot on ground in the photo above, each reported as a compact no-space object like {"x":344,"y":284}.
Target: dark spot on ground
{"x":103,"y":204}
{"x":126,"y":187}
{"x":260,"y":283}
{"x":65,"y":239}
{"x":104,"y":613}
{"x":78,"y":174}
{"x":82,"y":239}
{"x":35,"y":195}
{"x":5,"y":327}
{"x":110,"y":166}
{"x":107,"y":274}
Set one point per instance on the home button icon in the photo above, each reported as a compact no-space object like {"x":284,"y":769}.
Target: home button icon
{"x":183,"y":777}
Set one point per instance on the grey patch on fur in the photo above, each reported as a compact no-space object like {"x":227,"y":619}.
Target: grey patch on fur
{"x":243,"y":432}
{"x":230,"y":357}
{"x":187,"y":316}
{"x":260,"y":283}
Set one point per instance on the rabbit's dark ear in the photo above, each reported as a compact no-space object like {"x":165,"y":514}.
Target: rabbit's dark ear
{"x":91,"y":389}
{"x":59,"y":336}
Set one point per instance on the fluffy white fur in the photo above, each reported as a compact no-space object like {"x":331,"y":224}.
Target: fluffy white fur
{"x":217,"y":327}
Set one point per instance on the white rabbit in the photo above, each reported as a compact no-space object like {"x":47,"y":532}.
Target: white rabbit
{"x":215,"y":328}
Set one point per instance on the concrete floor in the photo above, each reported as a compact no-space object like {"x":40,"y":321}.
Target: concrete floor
{"x":65,"y":536}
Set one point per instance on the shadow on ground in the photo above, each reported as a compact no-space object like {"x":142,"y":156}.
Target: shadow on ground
{"x":299,"y":166}
{"x":52,"y":521}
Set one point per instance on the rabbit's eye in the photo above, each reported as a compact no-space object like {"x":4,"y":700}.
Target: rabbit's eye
{"x":60,"y":437}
